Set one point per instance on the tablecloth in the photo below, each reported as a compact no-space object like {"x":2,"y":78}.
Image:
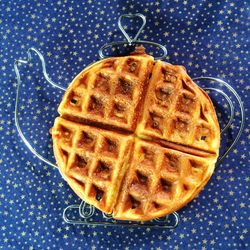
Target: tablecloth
{"x":208,"y":37}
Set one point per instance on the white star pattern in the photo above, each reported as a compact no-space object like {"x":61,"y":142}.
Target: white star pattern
{"x":207,"y":37}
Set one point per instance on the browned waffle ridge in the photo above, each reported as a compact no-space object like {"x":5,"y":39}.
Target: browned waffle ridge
{"x":136,"y":138}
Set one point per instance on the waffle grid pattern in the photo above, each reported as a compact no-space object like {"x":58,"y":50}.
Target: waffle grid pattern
{"x":157,"y":179}
{"x":93,"y":160}
{"x":109,"y":92}
{"x":176,"y":111}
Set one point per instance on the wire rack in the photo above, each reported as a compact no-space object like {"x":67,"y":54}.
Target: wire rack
{"x":228,"y":104}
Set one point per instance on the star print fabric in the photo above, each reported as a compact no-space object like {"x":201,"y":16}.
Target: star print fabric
{"x":210,"y":38}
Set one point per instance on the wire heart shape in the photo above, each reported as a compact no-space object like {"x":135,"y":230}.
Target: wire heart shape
{"x":129,"y":39}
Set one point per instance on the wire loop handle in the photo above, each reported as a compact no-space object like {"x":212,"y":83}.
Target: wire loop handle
{"x":231,"y":111}
{"x":134,"y":40}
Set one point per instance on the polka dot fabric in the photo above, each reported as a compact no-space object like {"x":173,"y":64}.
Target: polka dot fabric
{"x":209,"y":37}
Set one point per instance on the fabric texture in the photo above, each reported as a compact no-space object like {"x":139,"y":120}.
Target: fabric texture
{"x":210,"y":38}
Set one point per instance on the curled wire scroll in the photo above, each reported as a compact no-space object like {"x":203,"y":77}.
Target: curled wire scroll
{"x":170,"y":221}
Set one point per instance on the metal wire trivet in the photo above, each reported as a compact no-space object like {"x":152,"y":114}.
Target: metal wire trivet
{"x":86,"y":214}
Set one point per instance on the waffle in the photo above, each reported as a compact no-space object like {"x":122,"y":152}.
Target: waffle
{"x":108,"y":92}
{"x":160,"y":181}
{"x":137,"y":139}
{"x":92,"y":160}
{"x":177,"y":110}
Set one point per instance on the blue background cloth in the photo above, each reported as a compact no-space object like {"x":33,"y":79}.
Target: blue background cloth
{"x":208,"y":37}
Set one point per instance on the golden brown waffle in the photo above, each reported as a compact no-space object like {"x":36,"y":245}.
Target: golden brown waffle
{"x":142,"y":139}
{"x":160,"y":181}
{"x":177,"y":110}
{"x":92,"y":160}
{"x":108,"y":92}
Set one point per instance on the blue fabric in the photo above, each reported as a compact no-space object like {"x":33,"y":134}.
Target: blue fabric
{"x":208,"y":37}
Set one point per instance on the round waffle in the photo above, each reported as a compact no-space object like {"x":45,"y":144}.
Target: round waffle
{"x":136,"y":137}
